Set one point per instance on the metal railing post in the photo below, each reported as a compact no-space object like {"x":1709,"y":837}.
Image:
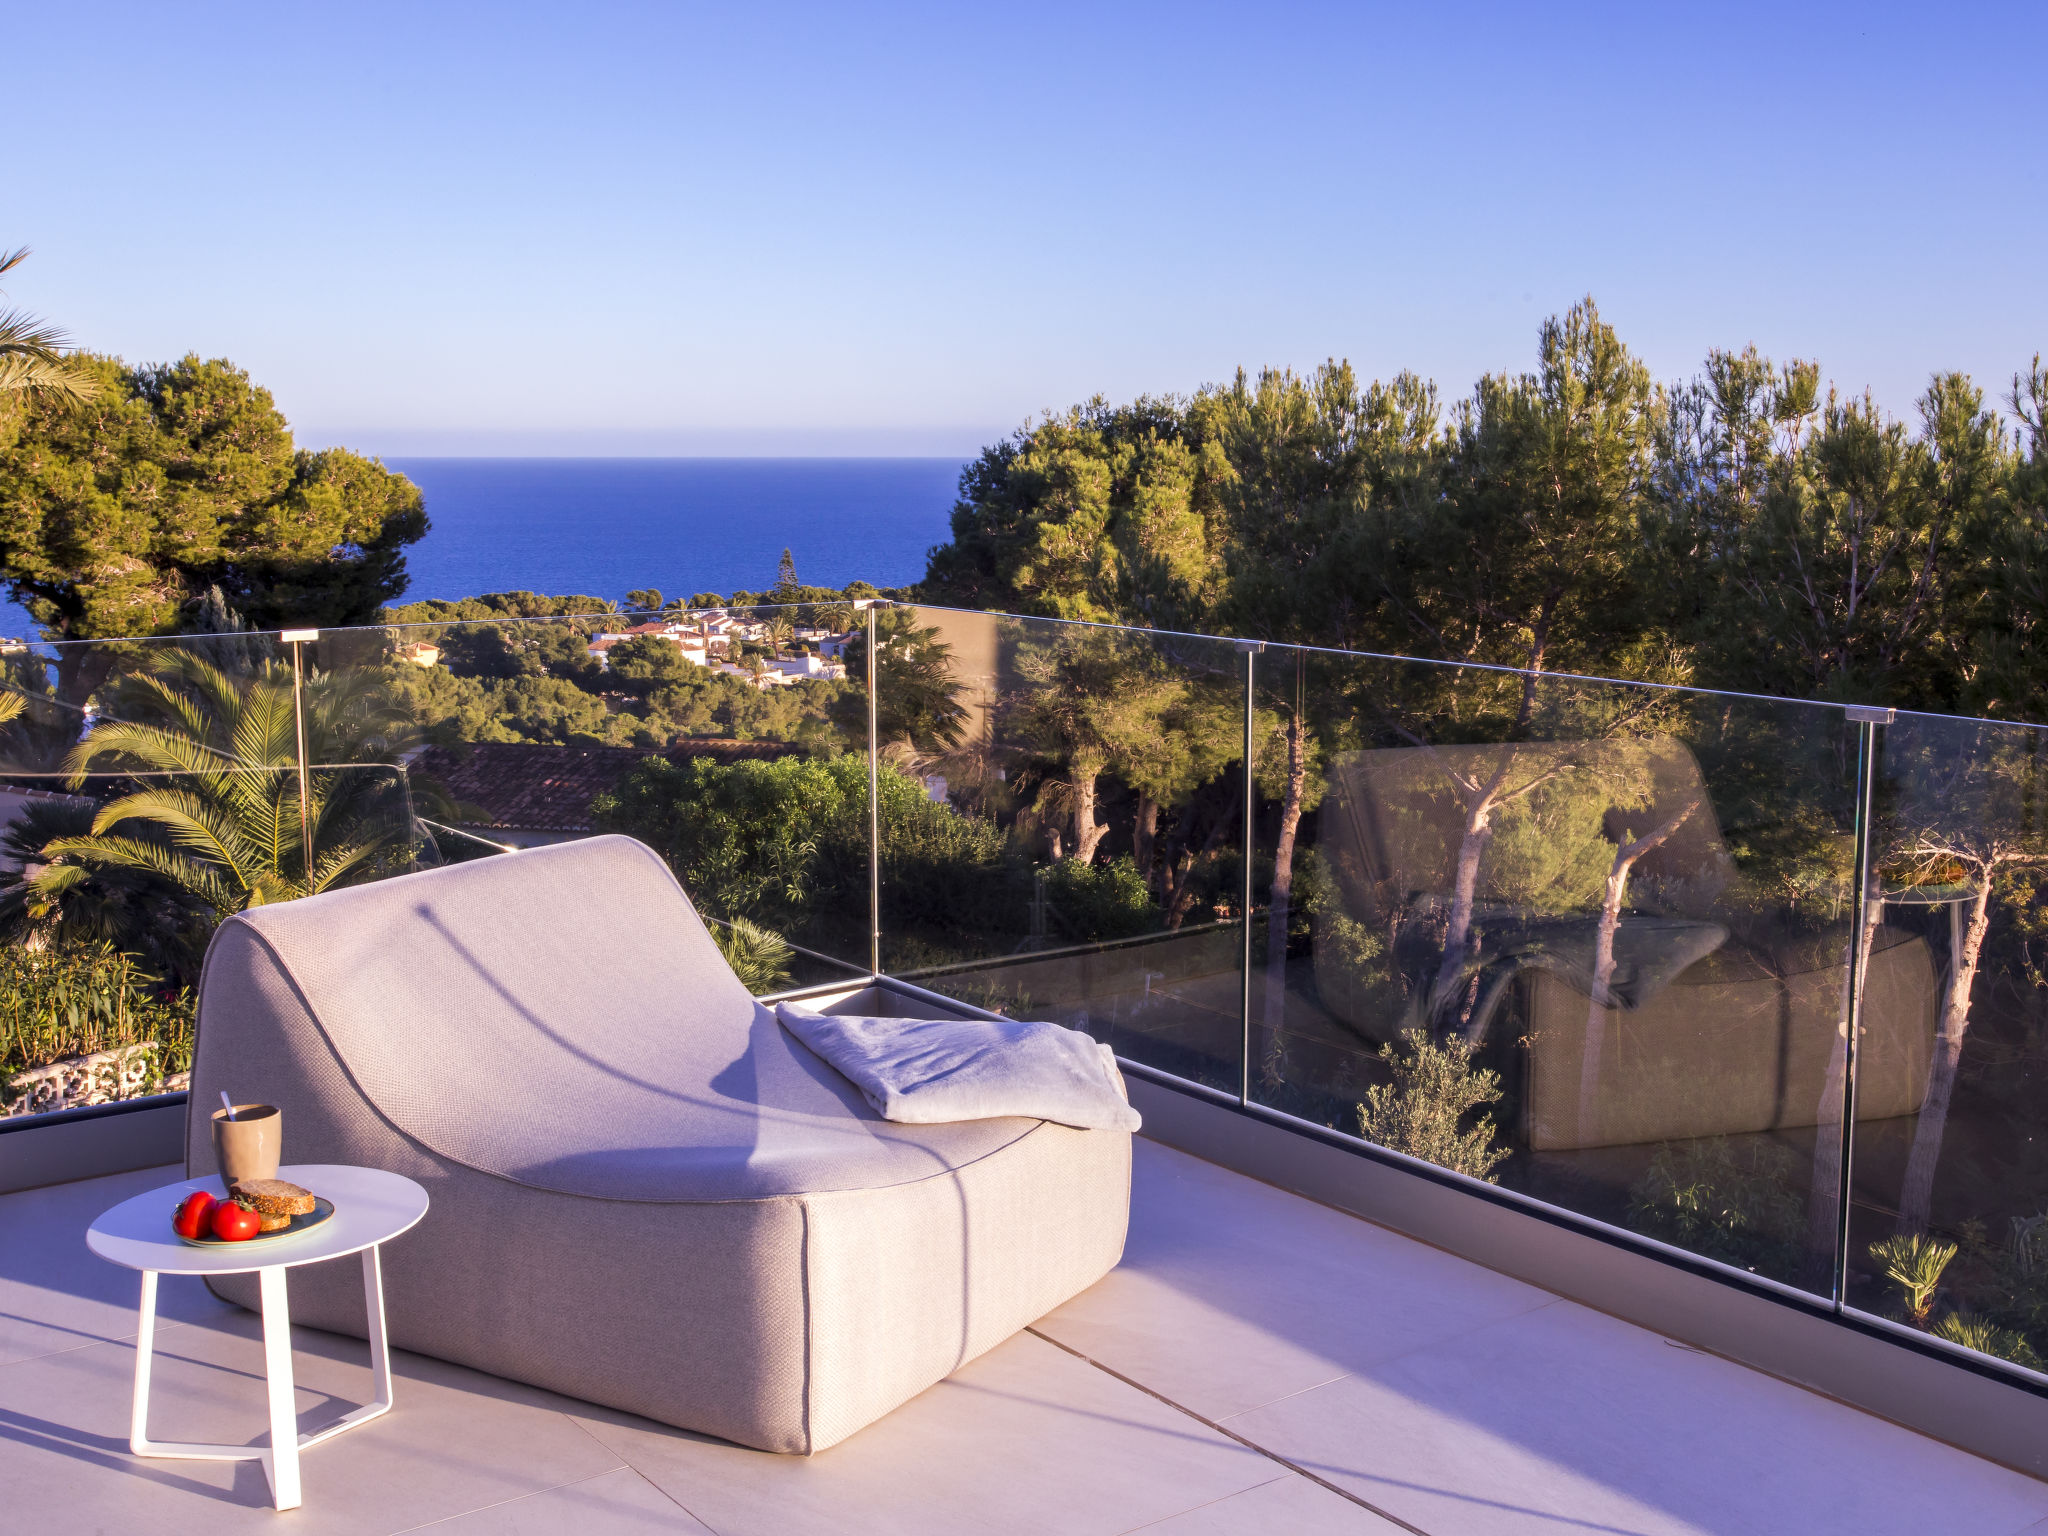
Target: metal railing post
{"x":1866,"y":720}
{"x":874,"y":812}
{"x":1251,"y":649}
{"x":297,"y":639}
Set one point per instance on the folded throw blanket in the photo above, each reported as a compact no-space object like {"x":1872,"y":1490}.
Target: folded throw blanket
{"x":924,"y":1071}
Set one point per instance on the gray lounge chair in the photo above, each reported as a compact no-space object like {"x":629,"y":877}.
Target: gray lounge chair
{"x":645,"y":1193}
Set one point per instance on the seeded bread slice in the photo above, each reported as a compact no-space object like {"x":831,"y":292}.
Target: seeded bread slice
{"x":273,"y":1197}
{"x":272,"y":1223}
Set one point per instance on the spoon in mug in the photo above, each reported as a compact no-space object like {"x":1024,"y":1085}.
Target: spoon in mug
{"x":224,"y":1104}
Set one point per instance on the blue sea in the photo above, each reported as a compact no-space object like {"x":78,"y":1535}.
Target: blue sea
{"x":604,"y":527}
{"x":607,"y":526}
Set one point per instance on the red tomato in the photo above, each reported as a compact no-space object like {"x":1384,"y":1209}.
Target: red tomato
{"x":234,"y":1223}
{"x":191,"y":1217}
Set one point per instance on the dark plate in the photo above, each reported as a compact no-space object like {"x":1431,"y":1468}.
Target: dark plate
{"x":323,"y":1211}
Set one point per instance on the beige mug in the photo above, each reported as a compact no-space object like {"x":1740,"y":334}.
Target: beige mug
{"x":248,"y":1146}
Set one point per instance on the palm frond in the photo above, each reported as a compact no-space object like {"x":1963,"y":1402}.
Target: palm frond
{"x":191,"y":822}
{"x":120,"y":744}
{"x":330,"y":868}
{"x":187,"y":873}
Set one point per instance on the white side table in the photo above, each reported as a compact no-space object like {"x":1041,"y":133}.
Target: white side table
{"x":370,"y":1207}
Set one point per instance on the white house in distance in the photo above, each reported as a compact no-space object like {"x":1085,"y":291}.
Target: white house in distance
{"x":708,"y":639}
{"x":695,"y":647}
{"x":807,"y":665}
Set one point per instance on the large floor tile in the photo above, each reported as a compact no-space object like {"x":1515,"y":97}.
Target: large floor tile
{"x":1232,"y":1293}
{"x":455,"y":1441}
{"x":621,"y":1503}
{"x":1026,"y":1439}
{"x":1288,"y":1504}
{"x":1567,"y":1420}
{"x":55,"y":1293}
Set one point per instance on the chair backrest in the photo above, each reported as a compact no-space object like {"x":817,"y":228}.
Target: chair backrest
{"x":479,"y":1004}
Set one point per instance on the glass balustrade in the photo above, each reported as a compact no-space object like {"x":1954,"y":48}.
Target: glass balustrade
{"x":1061,"y":827}
{"x":1759,"y":981}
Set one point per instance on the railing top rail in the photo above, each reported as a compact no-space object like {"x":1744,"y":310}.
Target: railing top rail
{"x":1854,"y":712}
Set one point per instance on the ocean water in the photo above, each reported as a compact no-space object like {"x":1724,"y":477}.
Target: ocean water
{"x":607,"y":526}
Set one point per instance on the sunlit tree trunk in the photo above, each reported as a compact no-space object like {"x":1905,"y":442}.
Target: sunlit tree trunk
{"x":1823,"y":1204}
{"x":1282,"y":895}
{"x":1611,"y":903}
{"x":1916,"y":1194}
{"x":1088,"y":832}
{"x":1145,"y":835}
{"x":1476,"y":832}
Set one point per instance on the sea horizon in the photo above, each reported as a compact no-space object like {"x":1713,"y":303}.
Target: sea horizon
{"x":603,"y":526}
{"x":681,"y":523}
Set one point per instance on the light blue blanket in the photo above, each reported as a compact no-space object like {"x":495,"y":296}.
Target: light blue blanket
{"x":926,"y":1071}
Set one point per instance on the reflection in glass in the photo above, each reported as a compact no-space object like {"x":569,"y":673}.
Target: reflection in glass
{"x":1585,"y":940}
{"x":1950,"y":1202}
{"x":1068,"y":848}
{"x":729,"y":740}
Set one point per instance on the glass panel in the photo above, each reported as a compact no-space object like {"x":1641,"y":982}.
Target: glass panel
{"x":1062,"y":810}
{"x":106,"y":908}
{"x":1583,"y":940}
{"x":148,"y":788}
{"x":697,"y":731}
{"x":1949,"y":1209}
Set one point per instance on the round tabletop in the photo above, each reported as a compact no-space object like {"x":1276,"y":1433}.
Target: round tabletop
{"x":370,"y":1207}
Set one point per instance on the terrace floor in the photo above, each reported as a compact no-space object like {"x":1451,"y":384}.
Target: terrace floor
{"x":1259,"y":1363}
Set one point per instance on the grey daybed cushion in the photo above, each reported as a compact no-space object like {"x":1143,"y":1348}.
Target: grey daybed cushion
{"x":645,"y":1192}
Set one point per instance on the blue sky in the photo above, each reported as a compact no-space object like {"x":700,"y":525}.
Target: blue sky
{"x":904,"y":229}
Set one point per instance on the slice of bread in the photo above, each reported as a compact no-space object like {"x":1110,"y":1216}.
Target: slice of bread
{"x":273,"y":1197}
{"x":272,"y":1223}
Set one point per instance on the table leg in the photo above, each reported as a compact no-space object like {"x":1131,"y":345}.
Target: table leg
{"x":145,"y":1347}
{"x":380,"y":1344}
{"x":282,"y":1461}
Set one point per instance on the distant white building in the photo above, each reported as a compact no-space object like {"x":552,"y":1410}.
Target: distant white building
{"x":807,"y":665}
{"x":421,"y":653}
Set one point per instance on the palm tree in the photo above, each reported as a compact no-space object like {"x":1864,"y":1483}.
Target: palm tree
{"x":215,"y":810}
{"x":32,"y":351}
{"x":780,"y":634}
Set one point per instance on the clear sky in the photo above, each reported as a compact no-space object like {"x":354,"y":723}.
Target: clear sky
{"x":590,"y":228}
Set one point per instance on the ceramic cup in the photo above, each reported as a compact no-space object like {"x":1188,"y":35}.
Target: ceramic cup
{"x":247,"y":1147}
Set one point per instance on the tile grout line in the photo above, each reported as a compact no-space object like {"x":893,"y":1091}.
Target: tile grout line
{"x":1250,"y":1445}
{"x":464,"y":1514}
{"x":163,"y":1326}
{"x":1405,"y":1354}
{"x":1150,"y":1525}
{"x":630,"y":1467}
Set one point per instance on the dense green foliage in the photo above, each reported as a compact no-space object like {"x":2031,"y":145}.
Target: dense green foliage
{"x":785,"y":843}
{"x":1740,"y":530}
{"x":70,"y":1001}
{"x":118,"y":512}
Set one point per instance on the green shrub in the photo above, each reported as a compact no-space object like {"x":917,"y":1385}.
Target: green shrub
{"x":1109,"y":900}
{"x":1423,"y":1111}
{"x":56,"y":1003}
{"x":1739,"y":1202}
{"x":758,"y":957}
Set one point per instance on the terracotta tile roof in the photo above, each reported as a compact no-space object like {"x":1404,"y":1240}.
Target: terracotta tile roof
{"x":526,"y":787}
